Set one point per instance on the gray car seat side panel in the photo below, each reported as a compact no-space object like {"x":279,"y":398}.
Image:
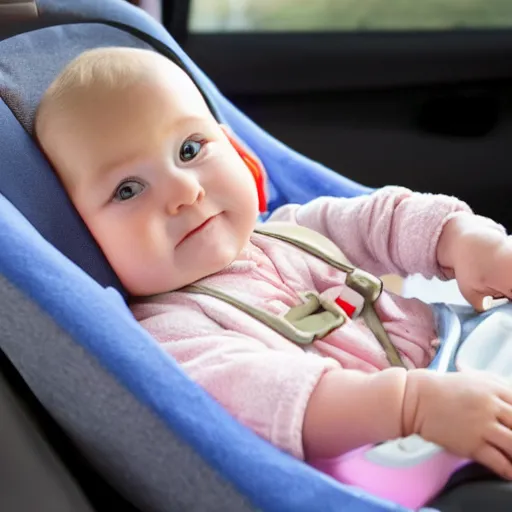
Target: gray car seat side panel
{"x":118,"y":434}
{"x":32,"y":478}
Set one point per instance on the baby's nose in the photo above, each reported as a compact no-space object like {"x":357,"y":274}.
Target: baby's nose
{"x":184,"y":190}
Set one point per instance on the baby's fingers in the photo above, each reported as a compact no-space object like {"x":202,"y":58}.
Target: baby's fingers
{"x":504,"y":393}
{"x":476,"y":298}
{"x":494,"y":459}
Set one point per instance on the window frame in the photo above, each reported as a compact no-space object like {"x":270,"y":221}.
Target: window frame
{"x":274,"y":62}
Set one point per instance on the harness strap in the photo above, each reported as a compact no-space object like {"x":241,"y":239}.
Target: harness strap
{"x":364,"y":283}
{"x":375,"y":325}
{"x":284,"y":326}
{"x":309,"y":241}
{"x":273,"y":321}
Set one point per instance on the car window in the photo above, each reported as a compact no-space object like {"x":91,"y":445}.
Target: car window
{"x":347,"y":15}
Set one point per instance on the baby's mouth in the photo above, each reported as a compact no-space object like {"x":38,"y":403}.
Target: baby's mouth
{"x":196,"y":229}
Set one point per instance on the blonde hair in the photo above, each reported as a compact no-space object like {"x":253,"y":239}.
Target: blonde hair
{"x":108,"y":68}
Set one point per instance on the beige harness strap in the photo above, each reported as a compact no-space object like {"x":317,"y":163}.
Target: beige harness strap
{"x":327,"y":318}
{"x":375,"y":325}
{"x":285,"y":328}
{"x":308,"y":240}
{"x":366,"y":284}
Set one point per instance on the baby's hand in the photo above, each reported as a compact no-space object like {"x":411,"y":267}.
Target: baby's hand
{"x":468,"y":413}
{"x":476,"y":251}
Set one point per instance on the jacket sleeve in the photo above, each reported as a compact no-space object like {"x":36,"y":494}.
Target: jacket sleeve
{"x":391,"y":231}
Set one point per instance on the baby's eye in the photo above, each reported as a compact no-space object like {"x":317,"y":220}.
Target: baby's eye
{"x":128,"y":190}
{"x":190,"y":149}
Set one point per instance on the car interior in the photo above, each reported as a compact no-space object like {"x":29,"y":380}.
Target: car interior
{"x":381,"y":92}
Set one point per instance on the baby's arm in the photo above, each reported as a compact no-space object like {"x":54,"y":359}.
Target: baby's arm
{"x":349,"y":409}
{"x":310,"y":407}
{"x":468,"y":413}
{"x":392,"y":230}
{"x":270,"y":390}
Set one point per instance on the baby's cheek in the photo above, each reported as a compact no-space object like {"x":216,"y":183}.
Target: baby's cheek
{"x":143,"y":279}
{"x":126,"y":258}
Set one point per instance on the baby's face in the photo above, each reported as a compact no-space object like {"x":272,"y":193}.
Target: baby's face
{"x":156,"y":180}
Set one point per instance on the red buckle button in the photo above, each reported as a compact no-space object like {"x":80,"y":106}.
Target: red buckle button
{"x":348,"y":308}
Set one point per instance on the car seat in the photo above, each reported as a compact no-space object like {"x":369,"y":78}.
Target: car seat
{"x":95,"y":416}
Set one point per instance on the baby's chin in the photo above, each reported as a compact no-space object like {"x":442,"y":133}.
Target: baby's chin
{"x":148,"y":288}
{"x":183,"y":273}
{"x":145,"y":289}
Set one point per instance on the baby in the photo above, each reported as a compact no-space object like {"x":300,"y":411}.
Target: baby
{"x":172,"y":199}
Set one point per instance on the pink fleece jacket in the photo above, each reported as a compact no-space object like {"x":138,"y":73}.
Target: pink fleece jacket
{"x":264,"y":380}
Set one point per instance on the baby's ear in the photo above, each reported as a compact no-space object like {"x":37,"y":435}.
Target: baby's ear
{"x":252,"y":162}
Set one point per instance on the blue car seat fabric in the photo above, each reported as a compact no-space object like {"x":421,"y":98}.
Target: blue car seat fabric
{"x":154,"y":434}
